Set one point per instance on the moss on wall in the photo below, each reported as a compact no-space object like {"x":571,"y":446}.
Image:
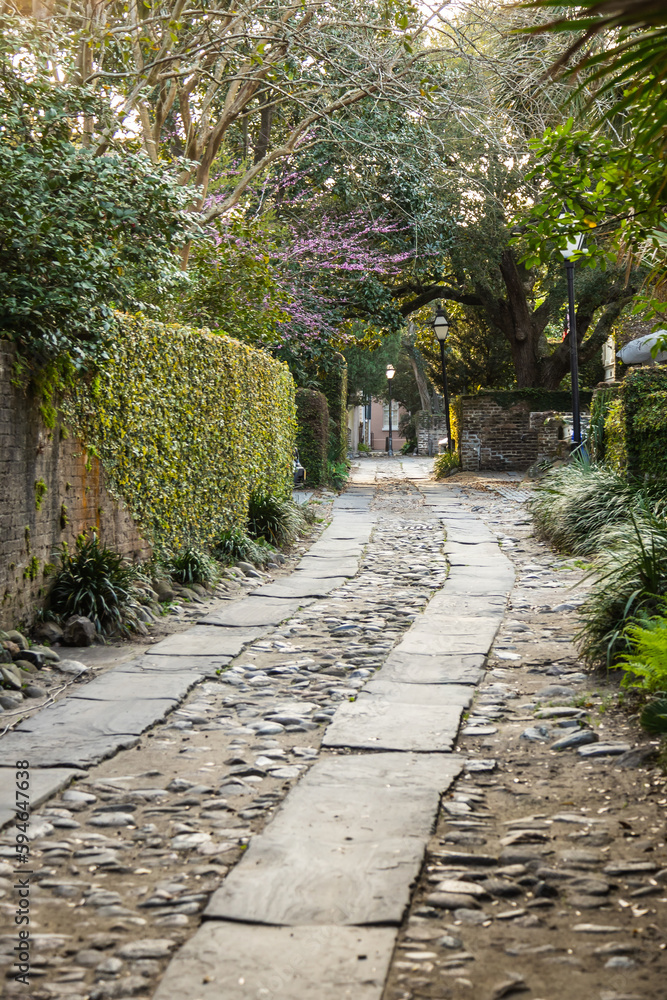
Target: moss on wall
{"x":313,"y":434}
{"x":186,"y":424}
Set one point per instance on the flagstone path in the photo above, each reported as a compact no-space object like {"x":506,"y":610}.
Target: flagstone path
{"x":313,"y":906}
{"x":337,"y":862}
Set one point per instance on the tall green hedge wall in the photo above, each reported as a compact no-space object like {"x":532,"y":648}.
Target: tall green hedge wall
{"x":334,"y":387}
{"x":313,"y":434}
{"x":635,"y":423}
{"x":186,"y":424}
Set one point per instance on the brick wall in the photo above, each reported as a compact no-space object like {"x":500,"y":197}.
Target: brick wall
{"x":509,"y":439}
{"x":75,"y":499}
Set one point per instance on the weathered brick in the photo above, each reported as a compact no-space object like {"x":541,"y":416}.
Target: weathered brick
{"x":30,"y":452}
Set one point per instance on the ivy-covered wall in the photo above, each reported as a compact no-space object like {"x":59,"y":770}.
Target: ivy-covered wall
{"x":186,"y":424}
{"x":313,"y":434}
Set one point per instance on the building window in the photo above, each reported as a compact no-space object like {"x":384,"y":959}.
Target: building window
{"x":394,"y":416}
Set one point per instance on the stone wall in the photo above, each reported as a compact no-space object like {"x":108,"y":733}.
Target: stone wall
{"x":51,"y":491}
{"x":510,"y":438}
{"x":431,"y":428}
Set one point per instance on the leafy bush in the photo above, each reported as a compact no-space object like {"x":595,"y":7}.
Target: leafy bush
{"x":630,"y":585}
{"x":446,"y":465}
{"x":645,"y":665}
{"x":575,"y":505}
{"x":338,"y":474}
{"x":97,"y":583}
{"x":312,"y":434}
{"x":191,"y":565}
{"x":78,"y":232}
{"x":274,"y":519}
{"x":233,"y":546}
{"x":654,"y":717}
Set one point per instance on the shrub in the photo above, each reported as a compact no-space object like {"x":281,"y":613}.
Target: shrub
{"x":233,"y":545}
{"x":575,"y":505}
{"x":446,"y":465}
{"x":338,"y":474}
{"x":274,"y":519}
{"x":79,"y":231}
{"x":97,"y":583}
{"x":334,"y":387}
{"x":312,"y":434}
{"x":191,"y":565}
{"x":630,"y":585}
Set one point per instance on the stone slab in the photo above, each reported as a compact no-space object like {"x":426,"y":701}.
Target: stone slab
{"x":255,"y":611}
{"x":135,"y":685}
{"x":416,"y":668}
{"x":227,"y":961}
{"x":417,"y":694}
{"x":322,"y":569}
{"x":374,"y":723}
{"x":77,"y":732}
{"x":44,"y":782}
{"x":444,"y":607}
{"x":301,"y":585}
{"x":345,"y":845}
{"x":202,"y":640}
{"x":494,"y":581}
{"x":196,"y":665}
{"x":457,"y":636}
{"x":483,"y":554}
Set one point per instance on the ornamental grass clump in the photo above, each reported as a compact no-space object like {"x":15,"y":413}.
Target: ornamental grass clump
{"x":630,"y":585}
{"x":576,"y":505}
{"x":191,"y":565}
{"x":96,"y":583}
{"x":446,"y":465}
{"x":233,"y":546}
{"x":275,"y":519}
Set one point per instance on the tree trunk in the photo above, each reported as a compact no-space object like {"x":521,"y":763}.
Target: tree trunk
{"x":264,"y":135}
{"x":418,"y":368}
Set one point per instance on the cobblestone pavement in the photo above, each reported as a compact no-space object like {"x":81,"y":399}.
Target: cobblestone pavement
{"x":547,"y":872}
{"x":537,"y":877}
{"x":124,"y":860}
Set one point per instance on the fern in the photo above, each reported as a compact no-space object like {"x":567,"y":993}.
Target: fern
{"x":646,"y":665}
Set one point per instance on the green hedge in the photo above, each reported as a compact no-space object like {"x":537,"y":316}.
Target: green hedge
{"x":644,"y":395}
{"x":540,"y":400}
{"x":186,"y":424}
{"x":313,"y":434}
{"x":334,"y":387}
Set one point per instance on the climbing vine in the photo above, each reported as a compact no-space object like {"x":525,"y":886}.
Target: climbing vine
{"x":186,"y":424}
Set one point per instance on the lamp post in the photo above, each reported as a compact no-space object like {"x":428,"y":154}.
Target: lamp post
{"x":391,"y":371}
{"x":573,"y":247}
{"x":441,"y":330}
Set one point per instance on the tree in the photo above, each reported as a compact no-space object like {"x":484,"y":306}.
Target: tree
{"x":79,"y":234}
{"x":631,"y":67}
{"x":460,"y":190}
{"x":261,"y":73}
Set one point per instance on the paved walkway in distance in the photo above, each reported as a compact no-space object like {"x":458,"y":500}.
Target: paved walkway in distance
{"x":375,"y":636}
{"x":313,"y":906}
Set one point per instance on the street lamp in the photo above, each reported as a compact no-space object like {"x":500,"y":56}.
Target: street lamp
{"x":391,"y":371}
{"x":441,"y":330}
{"x":572,"y":248}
